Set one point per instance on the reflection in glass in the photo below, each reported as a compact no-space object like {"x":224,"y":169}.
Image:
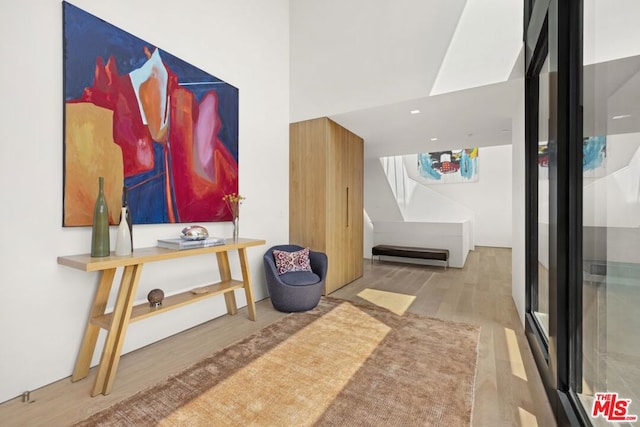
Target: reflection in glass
{"x":541,"y":308}
{"x":611,"y":215}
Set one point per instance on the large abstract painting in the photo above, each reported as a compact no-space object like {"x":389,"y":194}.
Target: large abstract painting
{"x":146,"y":121}
{"x":448,"y":167}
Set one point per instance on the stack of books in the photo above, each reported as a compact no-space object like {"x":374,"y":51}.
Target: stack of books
{"x":180,"y":244}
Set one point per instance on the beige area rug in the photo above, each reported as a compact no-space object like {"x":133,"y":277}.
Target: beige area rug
{"x":340,"y":364}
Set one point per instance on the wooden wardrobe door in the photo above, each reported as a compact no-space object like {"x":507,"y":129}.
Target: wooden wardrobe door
{"x":337,"y":207}
{"x":307,"y":184}
{"x":356,"y":205}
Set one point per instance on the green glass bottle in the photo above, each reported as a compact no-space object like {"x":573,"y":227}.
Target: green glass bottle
{"x":100,"y":228}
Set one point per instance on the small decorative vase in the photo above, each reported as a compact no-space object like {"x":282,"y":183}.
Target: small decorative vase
{"x":125,"y":204}
{"x":123,"y":241}
{"x":155,"y":297}
{"x":236,"y":226}
{"x":100,"y":227}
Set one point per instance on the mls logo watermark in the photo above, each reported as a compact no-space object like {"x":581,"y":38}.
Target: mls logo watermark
{"x":612,"y":408}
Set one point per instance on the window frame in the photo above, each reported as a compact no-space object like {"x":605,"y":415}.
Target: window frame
{"x":554,"y":27}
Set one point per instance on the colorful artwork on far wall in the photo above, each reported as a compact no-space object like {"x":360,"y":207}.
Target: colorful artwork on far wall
{"x":449,"y":167}
{"x":146,"y":121}
{"x":594,"y":157}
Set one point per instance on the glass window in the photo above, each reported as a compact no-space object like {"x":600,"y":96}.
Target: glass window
{"x":541,"y":306}
{"x":611,"y":206}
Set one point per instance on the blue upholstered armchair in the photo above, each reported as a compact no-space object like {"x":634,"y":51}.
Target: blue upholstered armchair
{"x":296,"y":290}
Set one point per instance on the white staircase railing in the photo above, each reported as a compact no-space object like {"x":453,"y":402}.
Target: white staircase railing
{"x":401,"y":185}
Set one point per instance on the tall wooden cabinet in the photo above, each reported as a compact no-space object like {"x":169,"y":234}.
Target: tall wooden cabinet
{"x":326,"y":195}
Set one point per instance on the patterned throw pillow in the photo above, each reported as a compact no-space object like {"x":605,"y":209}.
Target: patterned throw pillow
{"x":292,"y":261}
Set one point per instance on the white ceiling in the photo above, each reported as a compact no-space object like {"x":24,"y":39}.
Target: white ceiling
{"x":475,"y":117}
{"x":367,"y":63}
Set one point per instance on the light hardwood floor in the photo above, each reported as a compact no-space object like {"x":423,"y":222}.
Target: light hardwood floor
{"x":508,"y":392}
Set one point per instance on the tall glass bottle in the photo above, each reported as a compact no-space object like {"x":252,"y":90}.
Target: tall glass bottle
{"x":100,"y":227}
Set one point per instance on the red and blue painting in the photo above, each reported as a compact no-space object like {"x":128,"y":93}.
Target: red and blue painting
{"x":594,"y":157}
{"x":158,"y":129}
{"x":449,"y":167}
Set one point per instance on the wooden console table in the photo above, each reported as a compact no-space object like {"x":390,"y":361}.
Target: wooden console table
{"x":124,"y":312}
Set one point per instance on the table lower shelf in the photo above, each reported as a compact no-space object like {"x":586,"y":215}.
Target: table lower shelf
{"x":143,"y":311}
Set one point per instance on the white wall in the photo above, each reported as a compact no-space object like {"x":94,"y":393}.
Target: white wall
{"x":610,"y":30}
{"x":453,"y":236}
{"x":518,"y":259}
{"x":379,"y":201}
{"x":428,"y":204}
{"x":350,"y":55}
{"x":614,"y":199}
{"x":44,"y":305}
{"x":367,"y":234}
{"x":489,"y":199}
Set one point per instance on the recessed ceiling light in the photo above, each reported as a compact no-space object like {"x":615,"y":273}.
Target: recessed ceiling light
{"x":623,"y":116}
{"x":434,"y":139}
{"x":415,"y":111}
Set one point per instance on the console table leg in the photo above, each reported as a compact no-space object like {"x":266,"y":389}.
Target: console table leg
{"x":90,"y":339}
{"x":225,"y":274}
{"x":246,"y":278}
{"x":117,"y":330}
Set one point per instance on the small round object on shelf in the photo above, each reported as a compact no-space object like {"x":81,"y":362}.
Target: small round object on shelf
{"x":155,"y":297}
{"x":194,"y":232}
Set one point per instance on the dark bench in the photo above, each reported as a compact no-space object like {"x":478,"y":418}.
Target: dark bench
{"x":440,"y":255}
